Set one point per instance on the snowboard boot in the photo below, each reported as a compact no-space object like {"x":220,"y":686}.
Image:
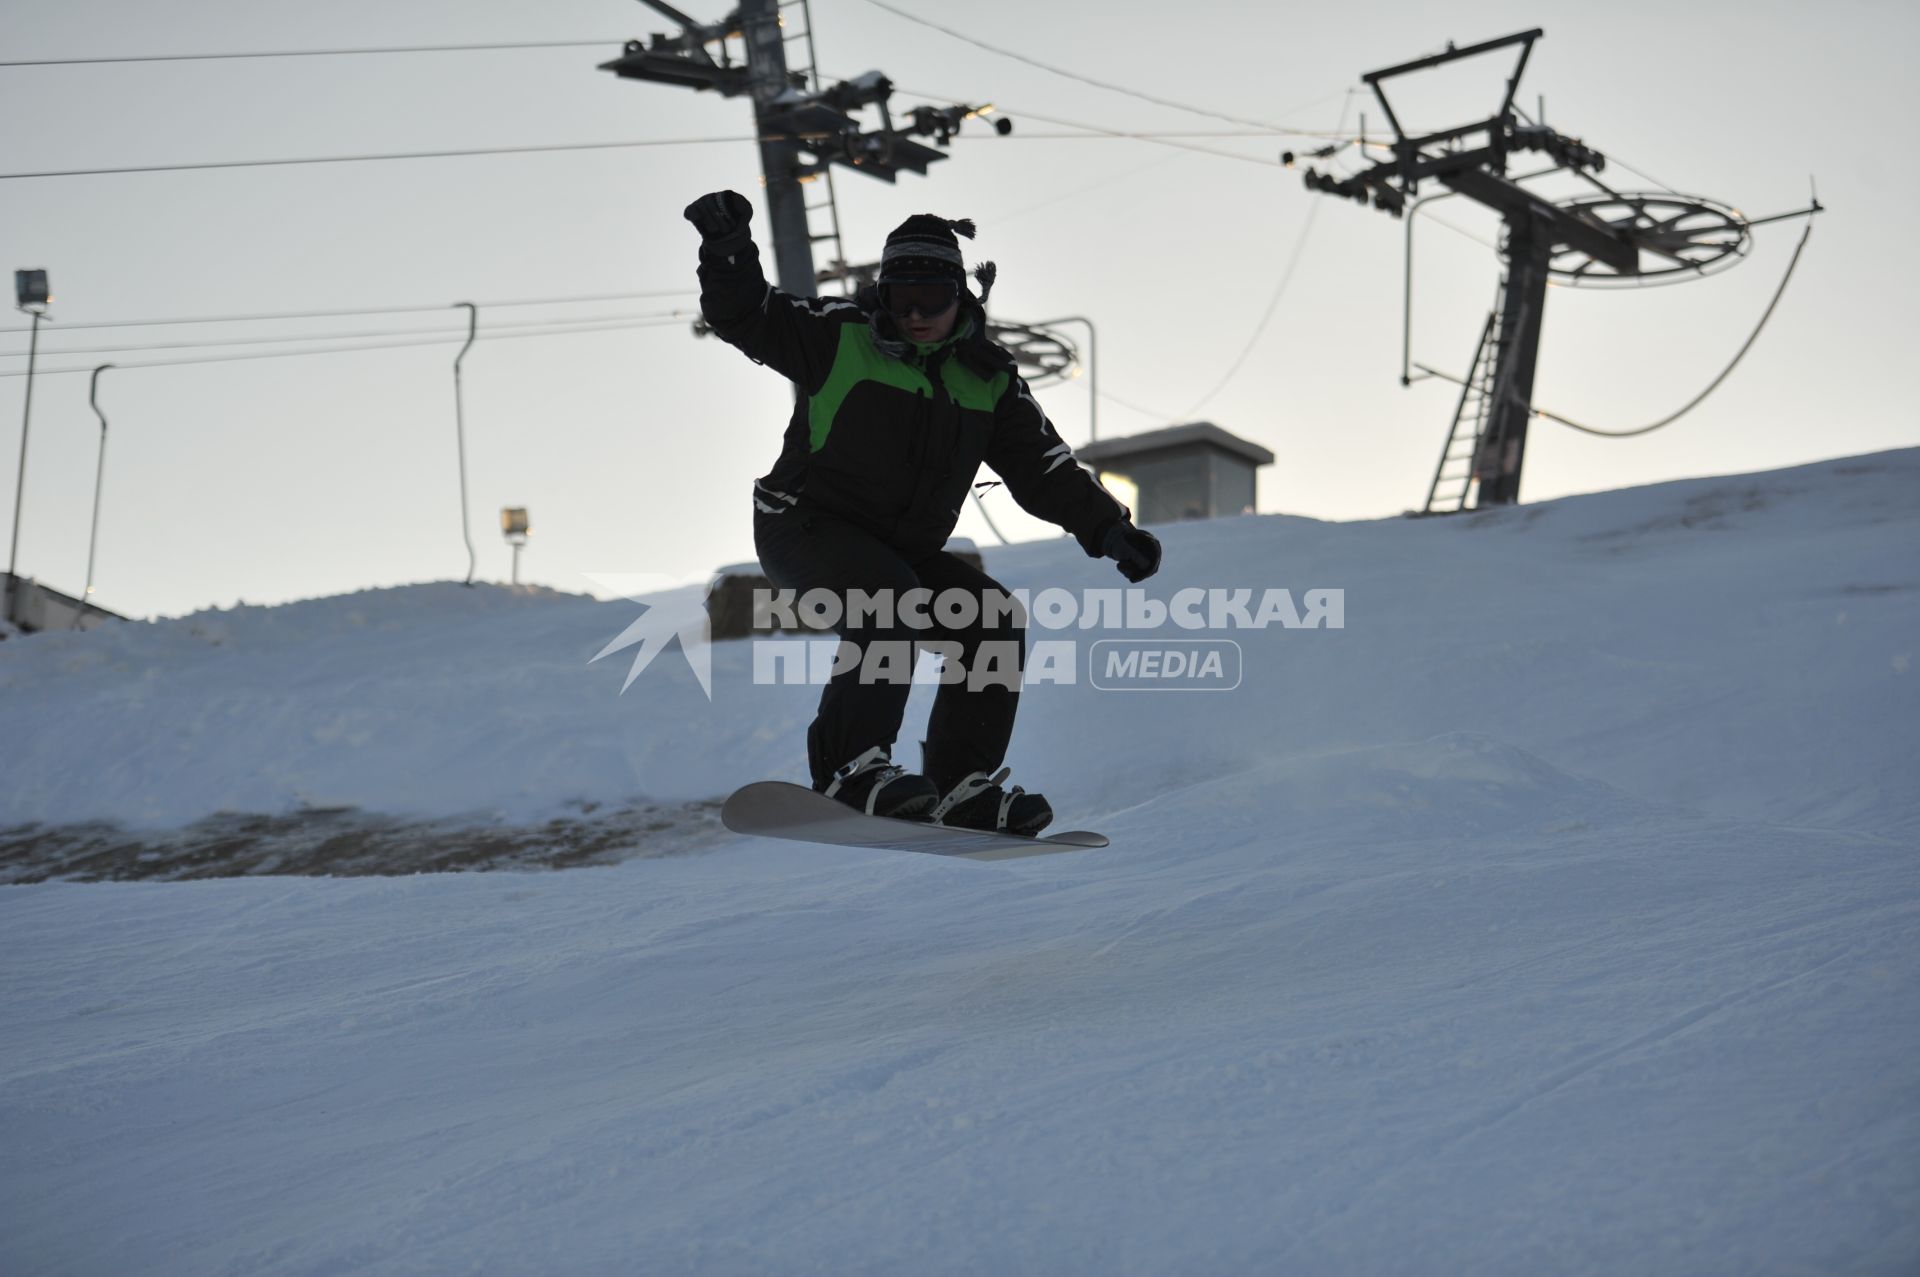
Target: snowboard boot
{"x":873,"y":783}
{"x":978,"y":802}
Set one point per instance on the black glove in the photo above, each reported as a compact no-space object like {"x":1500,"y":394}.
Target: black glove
{"x":722,"y":218}
{"x":1137,"y":552}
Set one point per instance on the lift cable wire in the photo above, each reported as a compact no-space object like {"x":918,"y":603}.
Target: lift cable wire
{"x":1273,"y":302}
{"x":1254,"y":128}
{"x":1095,"y":132}
{"x":1724,"y":372}
{"x":1074,"y":75}
{"x":1154,"y":136}
{"x":1266,"y":316}
{"x":1698,"y":399}
{"x":368,"y":310}
{"x":1158,"y":161}
{"x":1201,"y":150}
{"x":606,"y":146}
{"x":584,"y":44}
{"x":352,"y":159}
{"x":1645,"y":177}
{"x":352,"y":336}
{"x":309,"y":53}
{"x":1153,"y":413}
{"x":390,"y":345}
{"x":1105,"y":132}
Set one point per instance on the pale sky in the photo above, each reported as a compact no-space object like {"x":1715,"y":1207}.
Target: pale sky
{"x":285,"y":478}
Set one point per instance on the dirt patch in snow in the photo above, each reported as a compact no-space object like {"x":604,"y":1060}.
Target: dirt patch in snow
{"x":348,"y":842}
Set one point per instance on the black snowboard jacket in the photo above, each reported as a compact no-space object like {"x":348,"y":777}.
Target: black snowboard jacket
{"x":888,"y":434}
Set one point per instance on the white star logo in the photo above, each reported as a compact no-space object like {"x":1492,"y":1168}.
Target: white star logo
{"x":672,"y":611}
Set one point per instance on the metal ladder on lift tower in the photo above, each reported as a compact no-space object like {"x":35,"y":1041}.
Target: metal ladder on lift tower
{"x":1453,"y":478}
{"x":836,"y":271}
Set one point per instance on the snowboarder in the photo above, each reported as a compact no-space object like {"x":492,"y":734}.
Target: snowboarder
{"x":901,"y":397}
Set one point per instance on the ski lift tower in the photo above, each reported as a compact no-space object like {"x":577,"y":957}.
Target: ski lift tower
{"x":1606,"y":237}
{"x":804,"y":128}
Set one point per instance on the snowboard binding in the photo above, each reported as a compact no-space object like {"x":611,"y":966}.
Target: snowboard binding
{"x":875,"y":784}
{"x":979,"y":802}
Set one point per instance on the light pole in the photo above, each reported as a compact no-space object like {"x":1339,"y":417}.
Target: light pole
{"x":33,"y":296}
{"x":515,"y":527}
{"x":99,"y":477}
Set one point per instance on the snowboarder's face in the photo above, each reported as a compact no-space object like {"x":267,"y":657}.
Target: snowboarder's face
{"x":926,"y":310}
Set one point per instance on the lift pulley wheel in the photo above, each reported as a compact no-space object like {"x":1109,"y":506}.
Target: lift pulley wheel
{"x":1043,"y":356}
{"x":1678,"y":237}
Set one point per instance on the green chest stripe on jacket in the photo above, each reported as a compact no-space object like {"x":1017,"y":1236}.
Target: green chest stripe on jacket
{"x":857,"y":360}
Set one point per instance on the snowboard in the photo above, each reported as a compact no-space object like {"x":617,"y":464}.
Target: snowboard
{"x":775,"y":809}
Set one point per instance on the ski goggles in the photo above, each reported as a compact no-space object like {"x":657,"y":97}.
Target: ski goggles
{"x":926,"y":297}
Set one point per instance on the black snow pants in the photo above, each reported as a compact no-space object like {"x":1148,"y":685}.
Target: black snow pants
{"x":972,"y":720}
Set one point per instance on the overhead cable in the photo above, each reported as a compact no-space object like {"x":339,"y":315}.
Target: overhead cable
{"x":1071,"y":75}
{"x":1712,"y":386}
{"x":364,"y":310}
{"x":284,"y":338}
{"x":335,"y":350}
{"x":1273,"y":302}
{"x":1691,"y":404}
{"x":354,"y":159}
{"x":307,"y":53}
{"x":604,"y":146}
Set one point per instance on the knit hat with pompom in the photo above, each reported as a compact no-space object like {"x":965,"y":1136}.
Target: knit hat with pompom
{"x":925,"y":247}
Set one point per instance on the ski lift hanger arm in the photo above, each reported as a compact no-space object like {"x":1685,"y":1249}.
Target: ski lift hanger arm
{"x":1453,"y":55}
{"x":1373,"y":79}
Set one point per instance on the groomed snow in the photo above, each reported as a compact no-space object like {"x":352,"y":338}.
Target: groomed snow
{"x":1560,"y":914}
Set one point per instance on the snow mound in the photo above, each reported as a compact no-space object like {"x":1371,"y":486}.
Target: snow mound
{"x":1743,"y":646}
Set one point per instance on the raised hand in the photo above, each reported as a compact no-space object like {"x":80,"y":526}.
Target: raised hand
{"x":1136,"y":552}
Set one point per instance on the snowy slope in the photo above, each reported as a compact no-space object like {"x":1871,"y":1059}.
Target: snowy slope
{"x":1626,"y":636}
{"x":1560,"y":914}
